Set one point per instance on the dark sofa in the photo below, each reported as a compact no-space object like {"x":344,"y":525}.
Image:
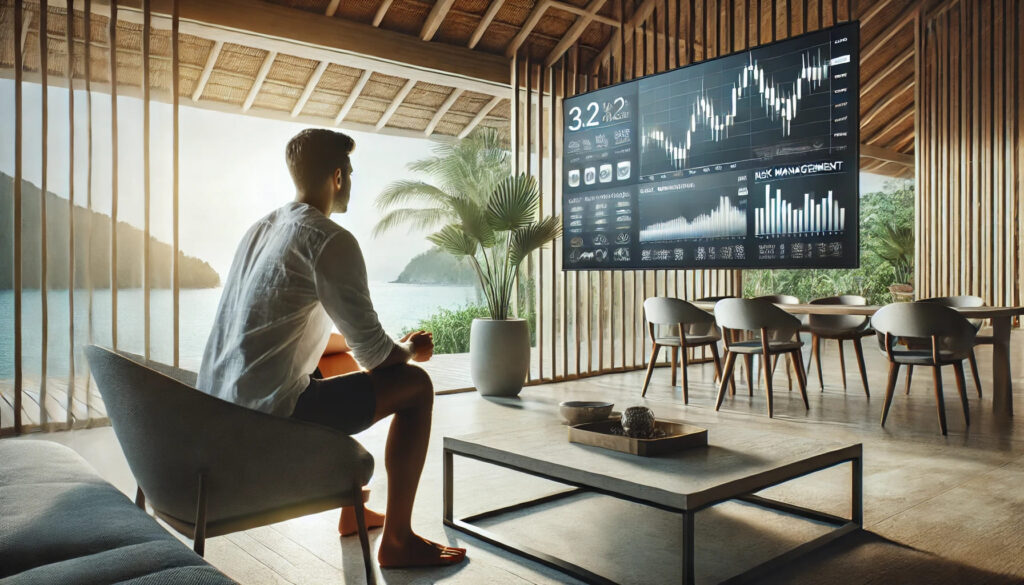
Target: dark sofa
{"x":60,"y":522}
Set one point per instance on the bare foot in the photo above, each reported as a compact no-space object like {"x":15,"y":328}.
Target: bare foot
{"x":418,"y":552}
{"x":347,"y":523}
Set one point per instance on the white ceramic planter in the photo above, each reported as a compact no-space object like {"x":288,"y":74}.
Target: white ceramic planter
{"x":499,"y":356}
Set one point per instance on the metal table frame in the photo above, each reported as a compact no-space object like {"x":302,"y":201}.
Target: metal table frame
{"x":852,"y":454}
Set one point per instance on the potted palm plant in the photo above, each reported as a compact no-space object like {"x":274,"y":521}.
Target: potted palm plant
{"x":496,"y":235}
{"x":896,"y":246}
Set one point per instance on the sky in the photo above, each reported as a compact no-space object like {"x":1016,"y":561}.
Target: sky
{"x":232,"y":171}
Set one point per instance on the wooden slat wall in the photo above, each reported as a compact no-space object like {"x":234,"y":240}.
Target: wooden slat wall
{"x":592,"y":322}
{"x":969,"y":152}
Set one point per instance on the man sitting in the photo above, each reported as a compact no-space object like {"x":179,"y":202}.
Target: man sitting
{"x":295,"y":273}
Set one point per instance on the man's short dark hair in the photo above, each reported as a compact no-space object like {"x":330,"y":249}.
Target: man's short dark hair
{"x":314,"y":154}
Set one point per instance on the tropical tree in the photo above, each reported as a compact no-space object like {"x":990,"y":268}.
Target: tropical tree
{"x":497,"y":235}
{"x":467,"y":170}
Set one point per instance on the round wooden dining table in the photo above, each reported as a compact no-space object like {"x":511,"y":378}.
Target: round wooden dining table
{"x":1000,"y":317}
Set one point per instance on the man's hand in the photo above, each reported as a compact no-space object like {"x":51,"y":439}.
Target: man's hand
{"x":422,"y":345}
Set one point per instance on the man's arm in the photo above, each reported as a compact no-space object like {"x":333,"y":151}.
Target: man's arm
{"x":336,"y":344}
{"x":417,"y":346}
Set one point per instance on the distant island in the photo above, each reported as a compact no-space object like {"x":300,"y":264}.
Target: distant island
{"x":436,"y":266}
{"x":92,"y":235}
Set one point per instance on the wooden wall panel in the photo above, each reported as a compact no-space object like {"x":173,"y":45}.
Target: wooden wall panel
{"x":969,"y":132}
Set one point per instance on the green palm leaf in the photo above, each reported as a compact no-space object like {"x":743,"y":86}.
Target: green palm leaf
{"x":405,"y":192}
{"x":454,"y":240}
{"x":415,"y":219}
{"x":474,"y":221}
{"x":530,"y":237}
{"x":514,"y":203}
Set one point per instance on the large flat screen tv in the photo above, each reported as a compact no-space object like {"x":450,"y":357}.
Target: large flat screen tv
{"x":745,"y":161}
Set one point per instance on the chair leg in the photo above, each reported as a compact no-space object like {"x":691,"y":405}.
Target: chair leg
{"x":650,"y":368}
{"x":730,"y":361}
{"x":842,"y":363}
{"x":748,"y":361}
{"x":974,"y":371}
{"x":910,"y":374}
{"x":961,"y":387}
{"x":817,"y":361}
{"x":857,"y":347}
{"x":364,"y":540}
{"x":683,"y":363}
{"x":673,"y":357}
{"x":199,"y":542}
{"x":890,"y":389}
{"x":801,"y":380}
{"x":768,"y":384}
{"x":940,"y":403}
{"x":140,"y":498}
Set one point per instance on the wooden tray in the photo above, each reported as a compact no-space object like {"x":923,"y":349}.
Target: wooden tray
{"x":678,"y":436}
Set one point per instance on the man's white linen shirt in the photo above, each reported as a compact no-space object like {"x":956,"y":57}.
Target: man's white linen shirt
{"x":294,"y":273}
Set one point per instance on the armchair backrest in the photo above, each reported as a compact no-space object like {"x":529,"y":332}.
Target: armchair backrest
{"x":754,"y":315}
{"x":671,"y":312}
{"x":839,"y":322}
{"x":960,"y":301}
{"x":923,"y":321}
{"x":171,"y":432}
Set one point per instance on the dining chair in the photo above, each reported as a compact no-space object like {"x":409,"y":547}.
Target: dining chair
{"x":779,"y":300}
{"x":840,"y":328}
{"x":209,"y":467}
{"x":776,"y":332}
{"x":690,"y":327}
{"x":959,"y":301}
{"x":939,"y":336}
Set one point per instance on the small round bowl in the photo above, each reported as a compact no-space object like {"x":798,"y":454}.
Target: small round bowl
{"x":577,"y":412}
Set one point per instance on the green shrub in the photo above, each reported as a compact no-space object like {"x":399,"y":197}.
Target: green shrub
{"x":451,"y":327}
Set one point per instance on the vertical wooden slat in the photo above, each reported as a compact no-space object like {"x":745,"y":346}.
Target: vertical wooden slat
{"x":175,"y":156}
{"x":147,"y":17}
{"x":87,"y":70}
{"x":44,"y":305}
{"x":18,"y":61}
{"x":112,"y":68}
{"x":70,"y":40}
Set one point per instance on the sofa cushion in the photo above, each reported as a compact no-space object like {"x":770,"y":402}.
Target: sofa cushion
{"x":60,"y":522}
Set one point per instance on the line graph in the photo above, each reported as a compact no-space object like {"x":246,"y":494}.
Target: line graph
{"x":742,"y":108}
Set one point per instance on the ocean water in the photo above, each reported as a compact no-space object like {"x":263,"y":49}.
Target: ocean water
{"x":398,"y":306}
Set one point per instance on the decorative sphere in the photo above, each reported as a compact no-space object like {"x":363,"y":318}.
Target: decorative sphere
{"x":638,"y":422}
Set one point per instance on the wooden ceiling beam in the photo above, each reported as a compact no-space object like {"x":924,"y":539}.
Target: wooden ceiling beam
{"x":204,"y":77}
{"x":611,"y":48}
{"x":393,"y":107}
{"x":352,"y":97}
{"x":873,"y":152}
{"x":485,"y":22}
{"x":267,"y":26}
{"x":307,"y":91}
{"x":332,"y":7}
{"x":435,"y":18}
{"x":900,"y":143}
{"x":381,"y":11}
{"x":574,"y":32}
{"x":479,"y":117}
{"x":258,"y":82}
{"x":892,"y":125}
{"x":447,"y":105}
{"x":585,"y":11}
{"x":876,"y":8}
{"x":524,"y":32}
{"x":895,"y":26}
{"x":891,"y":68}
{"x":883,"y":105}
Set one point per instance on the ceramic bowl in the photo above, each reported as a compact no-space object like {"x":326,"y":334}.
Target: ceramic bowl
{"x":576,"y":412}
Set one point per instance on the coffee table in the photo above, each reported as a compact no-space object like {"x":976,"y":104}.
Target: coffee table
{"x":734,"y":466}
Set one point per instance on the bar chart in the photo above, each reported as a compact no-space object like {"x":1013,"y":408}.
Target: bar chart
{"x":779,"y":217}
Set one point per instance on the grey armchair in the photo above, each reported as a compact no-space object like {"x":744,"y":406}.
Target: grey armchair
{"x":689,"y":327}
{"x":209,"y":467}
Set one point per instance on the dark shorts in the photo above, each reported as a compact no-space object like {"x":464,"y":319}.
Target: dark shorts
{"x":346,"y":403}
